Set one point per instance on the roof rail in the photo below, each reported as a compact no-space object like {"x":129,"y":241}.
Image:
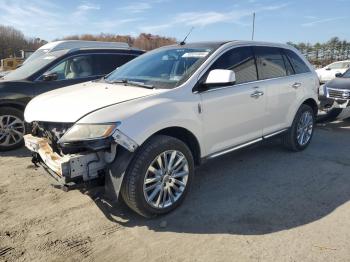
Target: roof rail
{"x":78,"y":44}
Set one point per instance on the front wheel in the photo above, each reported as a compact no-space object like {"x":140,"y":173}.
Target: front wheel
{"x":300,"y":133}
{"x":159,"y":176}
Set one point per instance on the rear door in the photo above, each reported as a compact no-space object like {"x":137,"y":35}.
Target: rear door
{"x":233,"y":115}
{"x":276,"y":77}
{"x":283,"y":74}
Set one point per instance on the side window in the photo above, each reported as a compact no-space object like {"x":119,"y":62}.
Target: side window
{"x":241,"y":61}
{"x":288,"y":65}
{"x":270,"y":62}
{"x":106,"y":63}
{"x":73,"y":67}
{"x":336,"y":66}
{"x":297,"y":63}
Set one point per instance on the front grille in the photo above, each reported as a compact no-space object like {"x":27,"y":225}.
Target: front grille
{"x":338,"y":94}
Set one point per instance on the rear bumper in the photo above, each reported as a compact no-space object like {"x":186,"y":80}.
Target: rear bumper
{"x":68,"y":168}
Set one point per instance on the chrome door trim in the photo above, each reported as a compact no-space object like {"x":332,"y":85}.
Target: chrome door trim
{"x":234,"y":148}
{"x":275,"y":133}
{"x":229,"y":150}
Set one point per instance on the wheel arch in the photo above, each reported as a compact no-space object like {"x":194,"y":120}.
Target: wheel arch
{"x":313,"y":104}
{"x":185,"y":136}
{"x":12,"y":104}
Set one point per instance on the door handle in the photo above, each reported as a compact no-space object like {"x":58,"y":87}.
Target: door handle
{"x":296,"y":85}
{"x":257,"y":94}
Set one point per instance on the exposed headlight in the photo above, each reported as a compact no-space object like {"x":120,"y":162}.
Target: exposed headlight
{"x":81,"y":132}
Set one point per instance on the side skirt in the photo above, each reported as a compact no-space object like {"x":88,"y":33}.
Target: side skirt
{"x":229,"y":150}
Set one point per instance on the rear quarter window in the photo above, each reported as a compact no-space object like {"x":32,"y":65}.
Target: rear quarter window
{"x":298,"y":64}
{"x":270,"y":62}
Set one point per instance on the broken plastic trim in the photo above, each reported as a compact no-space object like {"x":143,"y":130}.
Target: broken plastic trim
{"x":124,"y":141}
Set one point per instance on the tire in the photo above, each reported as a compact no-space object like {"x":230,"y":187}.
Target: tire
{"x":12,"y":128}
{"x":292,"y":140}
{"x":136,"y":188}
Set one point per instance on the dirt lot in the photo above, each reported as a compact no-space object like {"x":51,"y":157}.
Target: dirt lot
{"x":259,"y":204}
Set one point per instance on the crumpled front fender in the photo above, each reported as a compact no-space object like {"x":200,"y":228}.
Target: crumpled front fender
{"x":116,"y":172}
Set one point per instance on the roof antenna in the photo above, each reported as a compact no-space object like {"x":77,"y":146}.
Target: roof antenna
{"x":184,"y":41}
{"x":253,"y":31}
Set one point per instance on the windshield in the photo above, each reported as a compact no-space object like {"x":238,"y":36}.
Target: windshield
{"x":162,"y":68}
{"x":347,"y":74}
{"x":36,"y":54}
{"x":32,"y":66}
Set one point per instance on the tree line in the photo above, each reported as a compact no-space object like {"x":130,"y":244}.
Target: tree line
{"x":321,"y":54}
{"x":13,"y":40}
{"x":143,"y":41}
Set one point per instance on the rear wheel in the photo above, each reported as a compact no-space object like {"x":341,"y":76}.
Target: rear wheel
{"x":159,"y":176}
{"x":12,"y":128}
{"x":300,"y":134}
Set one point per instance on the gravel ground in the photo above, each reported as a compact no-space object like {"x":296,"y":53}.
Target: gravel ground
{"x":259,"y":204}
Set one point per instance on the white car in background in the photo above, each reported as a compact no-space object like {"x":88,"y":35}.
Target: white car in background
{"x":328,"y":72}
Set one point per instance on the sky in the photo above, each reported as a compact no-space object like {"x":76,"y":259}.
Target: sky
{"x":276,"y":20}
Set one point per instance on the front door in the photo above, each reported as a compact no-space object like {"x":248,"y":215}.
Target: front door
{"x":233,"y":115}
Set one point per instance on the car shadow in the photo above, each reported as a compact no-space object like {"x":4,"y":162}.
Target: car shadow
{"x":258,"y":190}
{"x":21,"y":152}
{"x":337,"y":125}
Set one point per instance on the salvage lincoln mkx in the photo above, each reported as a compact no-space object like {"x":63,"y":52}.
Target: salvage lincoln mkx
{"x":149,"y":123}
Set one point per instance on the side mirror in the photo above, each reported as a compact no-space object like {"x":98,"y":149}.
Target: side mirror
{"x":220,"y":77}
{"x":50,"y":77}
{"x":338,"y":75}
{"x":328,"y":68}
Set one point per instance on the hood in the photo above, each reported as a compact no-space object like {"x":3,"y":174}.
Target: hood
{"x":71,"y":103}
{"x":339,"y":83}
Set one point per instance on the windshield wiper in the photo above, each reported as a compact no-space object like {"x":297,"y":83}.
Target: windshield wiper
{"x":132,"y":83}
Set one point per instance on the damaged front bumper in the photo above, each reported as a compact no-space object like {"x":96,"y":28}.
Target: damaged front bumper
{"x":77,"y":168}
{"x":67,"y":168}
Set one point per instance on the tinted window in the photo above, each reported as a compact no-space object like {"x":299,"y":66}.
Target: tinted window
{"x":270,"y":62}
{"x":297,"y":63}
{"x":288,"y":65}
{"x":241,"y":61}
{"x":106,"y":63}
{"x":74,"y":67}
{"x":347,"y":74}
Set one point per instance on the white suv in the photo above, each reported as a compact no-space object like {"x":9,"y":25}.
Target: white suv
{"x":145,"y":127}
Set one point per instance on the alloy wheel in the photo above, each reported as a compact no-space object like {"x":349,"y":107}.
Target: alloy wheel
{"x":11,"y":130}
{"x":166,"y":179}
{"x":305,"y":128}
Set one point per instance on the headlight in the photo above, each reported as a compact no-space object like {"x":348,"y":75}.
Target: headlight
{"x":81,"y":132}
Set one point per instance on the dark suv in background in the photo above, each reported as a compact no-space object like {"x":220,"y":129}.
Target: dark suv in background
{"x":54,"y":65}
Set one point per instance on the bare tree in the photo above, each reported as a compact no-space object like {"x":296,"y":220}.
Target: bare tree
{"x":13,"y":40}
